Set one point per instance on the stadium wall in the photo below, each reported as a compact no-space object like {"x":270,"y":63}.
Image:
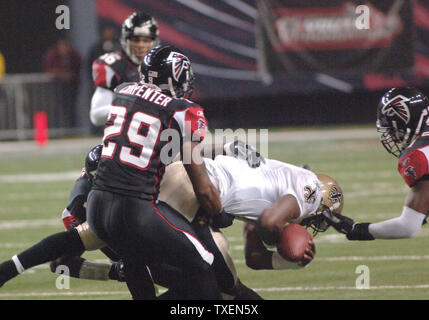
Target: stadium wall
{"x":295,"y":110}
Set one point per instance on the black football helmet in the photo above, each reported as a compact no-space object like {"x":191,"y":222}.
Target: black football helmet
{"x":401,"y":113}
{"x":138,"y":24}
{"x":92,"y":160}
{"x":169,"y":69}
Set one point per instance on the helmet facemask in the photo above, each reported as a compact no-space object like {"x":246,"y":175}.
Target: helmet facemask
{"x":138,"y":25}
{"x":185,"y":90}
{"x":317,"y":221}
{"x":393,"y":139}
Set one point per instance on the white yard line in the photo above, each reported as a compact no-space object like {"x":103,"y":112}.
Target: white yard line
{"x":393,"y":287}
{"x":274,"y":136}
{"x":58,"y":293}
{"x":272,"y":289}
{"x":22,"y":196}
{"x":25,"y":224}
{"x":40,"y":177}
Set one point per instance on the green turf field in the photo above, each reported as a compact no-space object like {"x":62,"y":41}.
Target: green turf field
{"x":35,"y":186}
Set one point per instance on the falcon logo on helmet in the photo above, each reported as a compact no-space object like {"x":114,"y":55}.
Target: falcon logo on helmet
{"x":179,"y":63}
{"x":397,"y":106}
{"x":401,"y":116}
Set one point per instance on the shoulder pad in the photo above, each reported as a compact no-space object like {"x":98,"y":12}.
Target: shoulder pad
{"x":192,"y":122}
{"x":414,"y":165}
{"x":103,"y":71}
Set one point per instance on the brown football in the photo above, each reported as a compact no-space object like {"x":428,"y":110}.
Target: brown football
{"x":293,"y":241}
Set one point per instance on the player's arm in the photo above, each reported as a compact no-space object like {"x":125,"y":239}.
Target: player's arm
{"x":75,"y":212}
{"x":205,"y":191}
{"x":413,"y":214}
{"x":105,"y":81}
{"x":273,"y":219}
{"x":258,"y":257}
{"x":407,"y":225}
{"x":100,"y":106}
{"x":237,"y":149}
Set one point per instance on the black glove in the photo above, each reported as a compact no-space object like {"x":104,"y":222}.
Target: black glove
{"x":241,"y":150}
{"x":360,"y":232}
{"x":222,"y":220}
{"x":346,"y":225}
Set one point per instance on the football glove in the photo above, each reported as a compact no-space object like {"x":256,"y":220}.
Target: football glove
{"x":222,"y":220}
{"x":241,"y":150}
{"x":346,"y":225}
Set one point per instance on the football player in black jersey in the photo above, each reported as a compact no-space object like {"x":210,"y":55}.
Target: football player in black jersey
{"x":122,"y":209}
{"x":139,"y":34}
{"x":65,"y":247}
{"x":402,"y":120}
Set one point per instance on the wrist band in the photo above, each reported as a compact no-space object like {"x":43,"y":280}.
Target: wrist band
{"x":279,"y":263}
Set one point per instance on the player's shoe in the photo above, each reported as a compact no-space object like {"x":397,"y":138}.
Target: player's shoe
{"x":7,"y":271}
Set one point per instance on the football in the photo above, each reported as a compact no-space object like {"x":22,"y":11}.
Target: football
{"x":293,"y":242}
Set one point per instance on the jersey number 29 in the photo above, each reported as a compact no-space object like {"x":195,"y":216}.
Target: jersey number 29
{"x":146,"y":143}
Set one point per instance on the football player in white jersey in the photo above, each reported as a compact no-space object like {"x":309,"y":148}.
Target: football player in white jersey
{"x":266,"y":197}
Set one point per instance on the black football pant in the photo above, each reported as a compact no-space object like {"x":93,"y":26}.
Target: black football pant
{"x":143,"y":232}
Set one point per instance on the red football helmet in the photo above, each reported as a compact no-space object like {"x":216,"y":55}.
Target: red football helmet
{"x":400,"y":118}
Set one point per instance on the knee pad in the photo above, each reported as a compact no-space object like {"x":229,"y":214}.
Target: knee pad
{"x":89,"y":239}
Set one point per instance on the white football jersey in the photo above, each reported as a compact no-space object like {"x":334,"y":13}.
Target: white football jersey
{"x":245,"y":192}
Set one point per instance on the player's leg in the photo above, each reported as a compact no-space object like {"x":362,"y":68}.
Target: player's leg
{"x":157,"y":233}
{"x":107,"y":216}
{"x":223,"y":264}
{"x":84,"y":269}
{"x":50,"y":248}
{"x":171,"y":239}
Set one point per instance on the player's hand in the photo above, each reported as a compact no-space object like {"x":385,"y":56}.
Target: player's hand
{"x":340,"y":223}
{"x":222,"y":220}
{"x":360,"y":232}
{"x":310,"y":252}
{"x":241,"y":150}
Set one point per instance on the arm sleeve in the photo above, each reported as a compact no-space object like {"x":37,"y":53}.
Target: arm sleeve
{"x":405,"y":226}
{"x":100,"y":106}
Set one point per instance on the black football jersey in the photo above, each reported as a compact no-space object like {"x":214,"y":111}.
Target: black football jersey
{"x":413,"y":163}
{"x":112,"y":69}
{"x":136,"y":140}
